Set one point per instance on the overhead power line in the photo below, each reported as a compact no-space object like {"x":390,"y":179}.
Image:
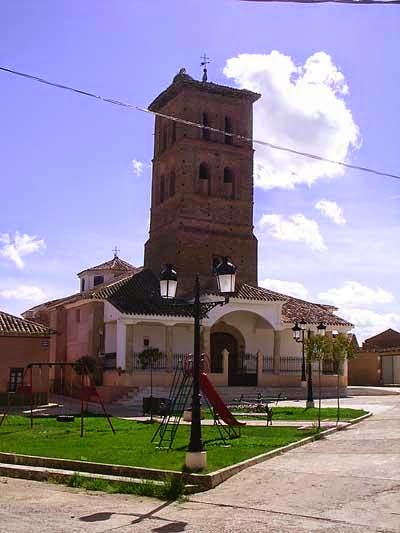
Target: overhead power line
{"x":201,"y":126}
{"x":355,"y":2}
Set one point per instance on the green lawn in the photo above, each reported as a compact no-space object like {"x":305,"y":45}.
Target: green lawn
{"x":131,"y":444}
{"x":297,"y":413}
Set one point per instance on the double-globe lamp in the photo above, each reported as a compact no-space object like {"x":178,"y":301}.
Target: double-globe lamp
{"x":225,"y":272}
{"x":298,"y":331}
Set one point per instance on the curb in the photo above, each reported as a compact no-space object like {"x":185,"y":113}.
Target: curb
{"x":46,"y":468}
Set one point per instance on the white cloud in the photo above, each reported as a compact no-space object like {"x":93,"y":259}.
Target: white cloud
{"x":302,"y":107}
{"x":352,"y":294}
{"x":331,"y":210}
{"x":295,"y":228}
{"x":22,"y":245}
{"x":137,"y":167}
{"x":292,"y":288}
{"x":23,"y":292}
{"x":368,"y":323}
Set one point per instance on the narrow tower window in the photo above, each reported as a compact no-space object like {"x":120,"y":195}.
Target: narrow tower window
{"x":203,"y":172}
{"x":205,"y":132}
{"x":228,"y":175}
{"x":164,"y":138}
{"x":228,"y":129}
{"x":98,"y":280}
{"x":172,"y":184}
{"x":162,"y":189}
{"x":173,"y":132}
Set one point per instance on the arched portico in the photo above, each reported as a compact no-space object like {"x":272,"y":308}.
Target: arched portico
{"x":243,"y":334}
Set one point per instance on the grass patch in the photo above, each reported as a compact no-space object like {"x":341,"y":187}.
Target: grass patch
{"x":297,"y":413}
{"x":131,"y":444}
{"x":172,"y":489}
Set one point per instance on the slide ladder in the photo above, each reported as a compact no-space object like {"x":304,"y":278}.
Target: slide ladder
{"x":181,"y":389}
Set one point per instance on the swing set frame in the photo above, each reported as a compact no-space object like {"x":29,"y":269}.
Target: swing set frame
{"x":86,"y":391}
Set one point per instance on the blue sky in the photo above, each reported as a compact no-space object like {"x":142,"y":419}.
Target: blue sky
{"x":66,"y":161}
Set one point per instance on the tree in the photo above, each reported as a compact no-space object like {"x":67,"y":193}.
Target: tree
{"x":341,"y":349}
{"x":318,"y":348}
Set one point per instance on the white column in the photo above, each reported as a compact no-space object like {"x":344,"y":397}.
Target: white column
{"x":121,"y":344}
{"x":260,"y":364}
{"x":169,"y":346}
{"x":277,"y":351}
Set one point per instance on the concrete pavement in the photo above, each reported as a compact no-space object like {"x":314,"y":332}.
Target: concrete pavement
{"x":348,"y":482}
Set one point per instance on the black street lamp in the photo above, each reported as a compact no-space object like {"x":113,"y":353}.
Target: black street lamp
{"x":299,"y":330}
{"x":321,"y":329}
{"x":226,"y":277}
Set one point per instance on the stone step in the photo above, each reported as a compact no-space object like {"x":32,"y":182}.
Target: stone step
{"x":37,"y":473}
{"x":230,"y":394}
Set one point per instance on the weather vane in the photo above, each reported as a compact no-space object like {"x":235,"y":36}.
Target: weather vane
{"x":204,"y":62}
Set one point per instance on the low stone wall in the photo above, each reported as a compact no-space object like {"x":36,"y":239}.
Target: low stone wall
{"x":17,"y":400}
{"x":162,"y":378}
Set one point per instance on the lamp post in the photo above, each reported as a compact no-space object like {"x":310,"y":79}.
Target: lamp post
{"x":299,"y":330}
{"x":196,"y":457}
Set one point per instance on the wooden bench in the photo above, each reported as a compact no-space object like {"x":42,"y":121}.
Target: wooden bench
{"x":261,"y":402}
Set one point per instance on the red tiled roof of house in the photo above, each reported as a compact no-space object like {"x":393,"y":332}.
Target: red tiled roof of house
{"x":12,"y":326}
{"x":389,"y":338}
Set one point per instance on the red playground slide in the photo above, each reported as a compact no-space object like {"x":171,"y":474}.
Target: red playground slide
{"x":217,"y":402}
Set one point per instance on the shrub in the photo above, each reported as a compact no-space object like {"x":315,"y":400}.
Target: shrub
{"x":149,"y":355}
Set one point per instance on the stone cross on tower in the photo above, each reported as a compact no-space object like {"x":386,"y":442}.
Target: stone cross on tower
{"x":204,"y":62}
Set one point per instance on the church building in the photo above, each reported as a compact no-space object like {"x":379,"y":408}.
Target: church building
{"x":201,"y":211}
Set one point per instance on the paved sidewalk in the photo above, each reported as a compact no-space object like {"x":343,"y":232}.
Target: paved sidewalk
{"x":257,"y":423}
{"x":348,"y":482}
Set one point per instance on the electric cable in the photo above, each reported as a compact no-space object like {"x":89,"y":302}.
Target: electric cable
{"x":202,"y":126}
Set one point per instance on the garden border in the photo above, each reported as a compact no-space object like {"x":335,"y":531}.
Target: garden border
{"x":202,"y":482}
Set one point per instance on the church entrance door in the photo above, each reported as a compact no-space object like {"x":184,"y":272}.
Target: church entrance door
{"x":240,"y":373}
{"x":219,"y":343}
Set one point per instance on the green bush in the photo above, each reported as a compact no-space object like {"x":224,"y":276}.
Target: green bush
{"x":149,"y":355}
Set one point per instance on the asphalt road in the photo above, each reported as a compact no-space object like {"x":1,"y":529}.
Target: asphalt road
{"x":348,"y":482}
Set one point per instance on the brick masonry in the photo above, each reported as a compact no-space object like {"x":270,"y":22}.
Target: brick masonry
{"x":193,"y":219}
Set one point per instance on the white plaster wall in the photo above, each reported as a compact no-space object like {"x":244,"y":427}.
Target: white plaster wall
{"x":270,"y":311}
{"x":289,"y":347}
{"x":183,"y":339}
{"x":89,"y":279}
{"x":258,"y":336}
{"x":155,"y":334}
{"x":110,"y":313}
{"x":110,"y":331}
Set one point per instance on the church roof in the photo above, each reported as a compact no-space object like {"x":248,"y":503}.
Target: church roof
{"x":294,"y":310}
{"x":244,"y":291}
{"x":182,"y":80}
{"x":138,"y":293}
{"x":15,"y":326}
{"x":115,"y":264}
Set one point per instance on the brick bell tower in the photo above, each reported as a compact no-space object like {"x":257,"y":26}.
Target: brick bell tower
{"x":202,"y":183}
